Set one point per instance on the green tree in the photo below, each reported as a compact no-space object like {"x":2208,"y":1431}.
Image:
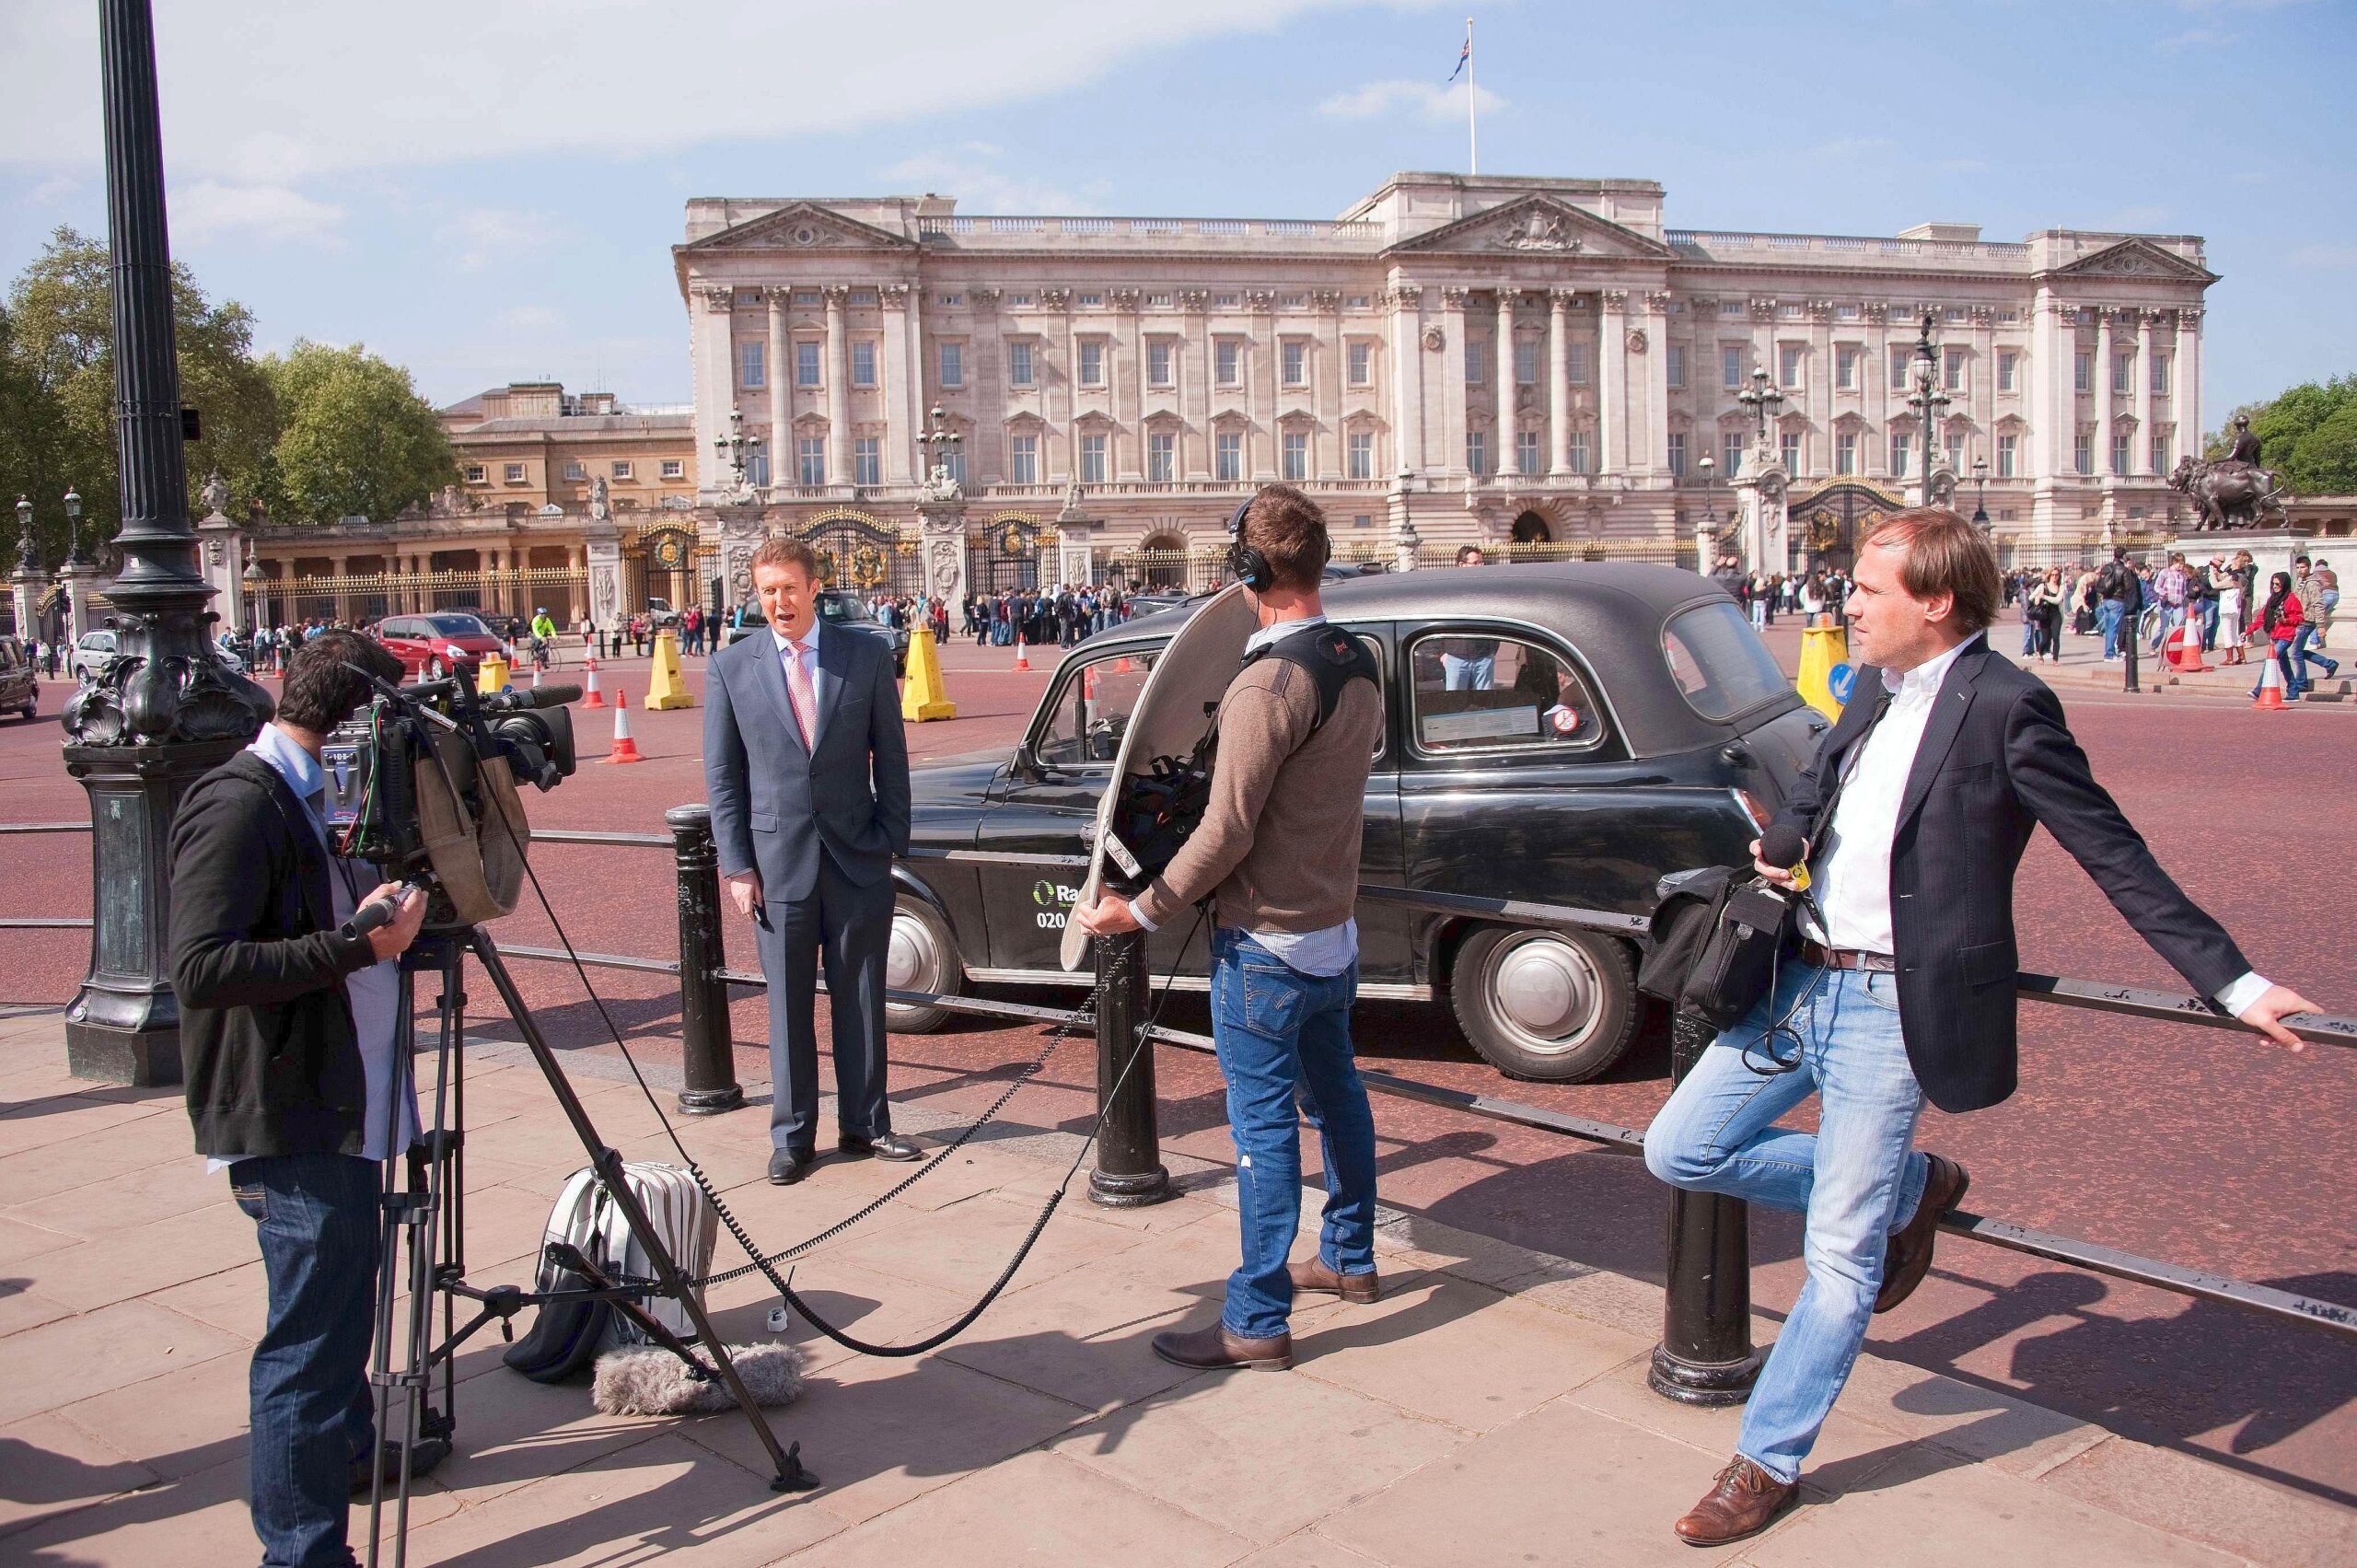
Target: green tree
{"x":57,"y":390}
{"x":2307,"y":434}
{"x":355,"y":438}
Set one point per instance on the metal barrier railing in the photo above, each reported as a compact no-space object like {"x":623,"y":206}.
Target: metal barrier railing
{"x":1706,"y":1356}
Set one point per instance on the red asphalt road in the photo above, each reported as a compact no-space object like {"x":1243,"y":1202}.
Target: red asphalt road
{"x":2200,"y":1147}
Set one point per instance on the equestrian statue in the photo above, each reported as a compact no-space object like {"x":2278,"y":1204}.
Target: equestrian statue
{"x":2234,"y":491}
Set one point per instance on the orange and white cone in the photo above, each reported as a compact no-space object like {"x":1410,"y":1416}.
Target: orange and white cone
{"x":2270,"y":683}
{"x":1022,"y":656}
{"x":593,"y":697}
{"x":626,"y":749}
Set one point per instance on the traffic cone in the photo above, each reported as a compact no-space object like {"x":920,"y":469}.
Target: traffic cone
{"x":2271,"y":684}
{"x":626,"y":749}
{"x":1022,"y":655}
{"x":537,"y":673}
{"x":593,"y":697}
{"x":1123,"y":667}
{"x":2189,"y":660}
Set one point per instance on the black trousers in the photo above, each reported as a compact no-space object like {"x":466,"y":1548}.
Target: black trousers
{"x":848,"y":929}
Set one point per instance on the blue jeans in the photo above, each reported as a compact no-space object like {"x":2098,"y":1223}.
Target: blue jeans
{"x":2107,"y":618}
{"x":1284,"y":1040}
{"x":1855,"y":1178}
{"x":2304,"y":654}
{"x":311,"y":1410}
{"x":1461,"y":674}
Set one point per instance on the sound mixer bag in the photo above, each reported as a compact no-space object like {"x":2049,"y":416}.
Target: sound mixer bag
{"x":1717,"y":937}
{"x":566,"y":1337}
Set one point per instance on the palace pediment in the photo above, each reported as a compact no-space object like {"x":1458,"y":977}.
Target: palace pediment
{"x":1535,"y":226}
{"x":802,"y":225}
{"x":2136,"y":259}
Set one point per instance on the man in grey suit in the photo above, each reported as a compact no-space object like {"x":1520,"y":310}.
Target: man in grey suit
{"x":807,"y":770}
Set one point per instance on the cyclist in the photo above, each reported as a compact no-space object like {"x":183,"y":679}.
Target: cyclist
{"x":543,"y":637}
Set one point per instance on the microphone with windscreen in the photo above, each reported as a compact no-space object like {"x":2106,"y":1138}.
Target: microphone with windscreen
{"x":1781,"y":844}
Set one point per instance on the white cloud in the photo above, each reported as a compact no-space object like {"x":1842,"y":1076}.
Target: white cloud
{"x":212,"y":209}
{"x":2332,"y":256}
{"x":1379,"y":100}
{"x":481,"y":235}
{"x":981,"y":187}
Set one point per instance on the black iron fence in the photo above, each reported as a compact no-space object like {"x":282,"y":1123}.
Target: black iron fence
{"x":1706,"y":1356}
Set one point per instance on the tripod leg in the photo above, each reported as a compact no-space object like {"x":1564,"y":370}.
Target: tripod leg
{"x":790,"y":1476}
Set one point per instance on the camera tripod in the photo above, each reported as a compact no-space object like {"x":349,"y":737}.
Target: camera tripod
{"x":426,"y":1215}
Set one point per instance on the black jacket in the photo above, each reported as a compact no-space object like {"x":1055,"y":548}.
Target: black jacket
{"x":267,"y":1043}
{"x":1997,"y":760}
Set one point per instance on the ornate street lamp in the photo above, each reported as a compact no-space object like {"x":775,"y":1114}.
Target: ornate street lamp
{"x":1928,"y":401}
{"x":74,"y":554}
{"x":1980,"y":487}
{"x":1764,"y":401}
{"x":737,"y":449}
{"x":940,"y":443}
{"x":28,"y":552}
{"x":165,"y":711}
{"x":1710,"y":467}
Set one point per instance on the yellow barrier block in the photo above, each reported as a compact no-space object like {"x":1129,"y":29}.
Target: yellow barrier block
{"x":1822,"y":648}
{"x":666,"y":688}
{"x":492,"y":674}
{"x":926,"y":694}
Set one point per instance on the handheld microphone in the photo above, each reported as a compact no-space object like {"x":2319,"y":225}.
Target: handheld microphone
{"x":369,"y":917}
{"x":529,"y":697}
{"x":1782,"y":844}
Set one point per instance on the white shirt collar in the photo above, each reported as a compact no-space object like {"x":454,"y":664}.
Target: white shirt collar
{"x":1925,"y":678}
{"x":1276,"y":630}
{"x":297,"y":767}
{"x":809,"y":640}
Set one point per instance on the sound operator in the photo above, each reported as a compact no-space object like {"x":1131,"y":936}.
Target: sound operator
{"x":1278,"y":855}
{"x":287,"y":1016}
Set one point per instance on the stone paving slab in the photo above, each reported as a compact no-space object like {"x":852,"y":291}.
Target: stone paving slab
{"x":1491,"y":1409}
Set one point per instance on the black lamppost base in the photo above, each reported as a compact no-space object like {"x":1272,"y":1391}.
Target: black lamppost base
{"x":711,"y":1102}
{"x":1130,"y":1189}
{"x":1702,"y":1382}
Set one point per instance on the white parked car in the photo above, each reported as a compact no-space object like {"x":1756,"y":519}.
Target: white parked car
{"x":91,"y":650}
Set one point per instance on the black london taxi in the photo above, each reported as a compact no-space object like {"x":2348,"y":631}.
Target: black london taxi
{"x":1565,"y":733}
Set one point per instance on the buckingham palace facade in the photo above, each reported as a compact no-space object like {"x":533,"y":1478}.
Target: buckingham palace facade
{"x":1535,"y":362}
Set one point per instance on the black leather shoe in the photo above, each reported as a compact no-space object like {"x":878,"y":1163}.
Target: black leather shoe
{"x":786,"y":1168}
{"x":430,"y":1452}
{"x":884,"y":1147}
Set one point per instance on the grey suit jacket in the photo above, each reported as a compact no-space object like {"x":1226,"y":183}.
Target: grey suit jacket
{"x":775,"y":806}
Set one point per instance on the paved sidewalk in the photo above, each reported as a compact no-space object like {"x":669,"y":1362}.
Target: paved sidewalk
{"x":1491,"y":1409}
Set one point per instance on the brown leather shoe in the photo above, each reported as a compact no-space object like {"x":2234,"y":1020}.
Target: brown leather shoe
{"x":1311,"y":1276}
{"x":1214,"y":1349}
{"x":1907,"y":1257}
{"x":1743,"y":1500}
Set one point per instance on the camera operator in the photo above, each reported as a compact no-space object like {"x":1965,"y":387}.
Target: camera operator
{"x":1278,"y":852}
{"x":287,"y":1029}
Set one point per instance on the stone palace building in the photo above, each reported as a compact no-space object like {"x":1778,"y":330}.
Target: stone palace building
{"x":1542,"y":364}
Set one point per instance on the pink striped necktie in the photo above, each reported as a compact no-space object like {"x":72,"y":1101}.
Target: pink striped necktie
{"x":806,"y":699}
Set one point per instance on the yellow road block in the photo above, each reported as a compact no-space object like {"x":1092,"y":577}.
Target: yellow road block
{"x":492,"y":674}
{"x":1822,"y":648}
{"x":664,"y":687}
{"x":926,"y":694}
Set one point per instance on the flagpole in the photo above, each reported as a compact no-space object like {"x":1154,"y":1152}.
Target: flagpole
{"x":1473,"y":132}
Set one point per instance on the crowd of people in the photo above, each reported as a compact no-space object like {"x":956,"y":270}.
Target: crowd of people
{"x":1062,"y":615}
{"x":1820,"y":592}
{"x":2134,"y":606}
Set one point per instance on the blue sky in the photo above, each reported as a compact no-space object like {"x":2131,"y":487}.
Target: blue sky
{"x":487,"y":189}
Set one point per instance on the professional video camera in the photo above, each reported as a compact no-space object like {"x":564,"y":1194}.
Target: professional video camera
{"x":415,"y":777}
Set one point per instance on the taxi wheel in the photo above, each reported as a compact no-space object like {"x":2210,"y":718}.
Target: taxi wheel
{"x":1559,"y":1007}
{"x":922,"y":956}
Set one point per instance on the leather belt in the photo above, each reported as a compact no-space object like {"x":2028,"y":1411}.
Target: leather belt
{"x":1826,"y":958}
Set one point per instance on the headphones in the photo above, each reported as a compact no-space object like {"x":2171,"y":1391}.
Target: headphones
{"x":1245,"y":561}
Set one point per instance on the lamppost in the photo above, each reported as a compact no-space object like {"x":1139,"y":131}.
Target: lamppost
{"x":737,"y":449}
{"x":74,"y":554}
{"x":1980,"y":494}
{"x":1764,"y":401}
{"x":28,"y":552}
{"x":165,"y":711}
{"x":1928,"y":401}
{"x":25,"y":582}
{"x":940,"y":441}
{"x":1708,"y":543}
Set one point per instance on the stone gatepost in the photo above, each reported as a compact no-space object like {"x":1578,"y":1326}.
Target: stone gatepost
{"x":1759,"y":493}
{"x":941,"y":531}
{"x":1071,"y":542}
{"x":221,"y":550}
{"x":601,"y":544}
{"x":78,"y":576}
{"x":738,"y":530}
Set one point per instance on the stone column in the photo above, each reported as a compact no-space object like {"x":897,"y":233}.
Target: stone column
{"x":1072,"y":543}
{"x":899,"y":440}
{"x":941,"y":527}
{"x":1509,"y":446}
{"x":78,"y":576}
{"x":838,"y":387}
{"x":2140,"y":459}
{"x":1612,"y":380}
{"x":1327,"y":394}
{"x":2104,"y":345}
{"x":1455,"y":402}
{"x":912,"y":329}
{"x":1559,"y":380}
{"x":601,"y":541}
{"x":1408,"y":378}
{"x":780,"y":371}
{"x":1653,"y":341}
{"x":221,"y":554}
{"x":709,"y":345}
{"x":25,"y":586}
{"x":2185,"y":399}
{"x":1261,"y":372}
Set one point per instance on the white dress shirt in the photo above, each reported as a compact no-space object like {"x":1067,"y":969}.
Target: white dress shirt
{"x":1315,"y":953}
{"x":805,"y":648}
{"x":1853,"y":870}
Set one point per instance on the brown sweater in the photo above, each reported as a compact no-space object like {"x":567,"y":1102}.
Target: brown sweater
{"x":1278,"y":849}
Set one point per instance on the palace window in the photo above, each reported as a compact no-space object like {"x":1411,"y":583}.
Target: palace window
{"x":1226,"y":301}
{"x":867,"y":297}
{"x":1157,"y":363}
{"x":2123,"y":372}
{"x":2008,"y":457}
{"x":1952,"y":368}
{"x":1227,"y":456}
{"x":1576,"y":364}
{"x":1092,"y":361}
{"x":2082,"y":453}
{"x":866,"y":460}
{"x":1018,"y":364}
{"x":1956,"y":453}
{"x":2009,"y":366}
{"x":811,"y":454}
{"x":2160,"y":374}
{"x":2120,"y":449}
{"x":1730,"y":452}
{"x":515,"y":472}
{"x":1900,"y":360}
{"x":2160,"y":454}
{"x":1901,"y":446}
{"x":1526,"y":450}
{"x":1845,"y":451}
{"x":1360,"y":450}
{"x":1295,"y":455}
{"x":757,"y":470}
{"x":1677,"y":454}
{"x":1296,"y":355}
{"x":1092,"y":458}
{"x":623,"y":470}
{"x":956,"y":464}
{"x":1360,"y":301}
{"x":575,"y":469}
{"x":1788,"y":365}
{"x":1676,"y":367}
{"x":1229,"y":355}
{"x":1022,"y":300}
{"x":951,"y":299}
{"x":1361,"y":363}
{"x":1791,"y":449}
{"x":1581,"y":460}
{"x":1022,"y":459}
{"x":752,"y":354}
{"x":675,"y":468}
{"x":953,"y":365}
{"x":806,"y":296}
{"x":1477,"y":451}
{"x":1731,"y":368}
{"x":1157,"y":302}
{"x":806,"y":364}
{"x":1089,"y":301}
{"x":862,"y":364}
{"x":475,"y":474}
{"x":1730,"y":307}
{"x":2082,"y":372}
{"x":1477,"y":353}
{"x":1845,"y":367}
{"x":1526,"y":362}
{"x":1161,"y":455}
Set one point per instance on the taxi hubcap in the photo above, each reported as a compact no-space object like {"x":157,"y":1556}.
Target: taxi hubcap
{"x":1547,"y":991}
{"x":913,"y":961}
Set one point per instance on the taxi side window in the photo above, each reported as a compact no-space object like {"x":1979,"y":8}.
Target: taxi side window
{"x":1090,"y":711}
{"x":1497,"y":693}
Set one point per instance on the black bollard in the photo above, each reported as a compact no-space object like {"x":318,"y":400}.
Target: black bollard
{"x":1705,"y":1355}
{"x":1128,"y":1171}
{"x":707,"y":1045}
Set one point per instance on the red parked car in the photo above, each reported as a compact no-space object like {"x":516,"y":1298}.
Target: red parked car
{"x":448,"y":642}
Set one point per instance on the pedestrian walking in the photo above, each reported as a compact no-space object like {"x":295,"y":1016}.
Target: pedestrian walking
{"x":2328,"y":603}
{"x":2042,"y":606}
{"x":2310,"y":593}
{"x":2227,"y":585}
{"x":2277,"y":624}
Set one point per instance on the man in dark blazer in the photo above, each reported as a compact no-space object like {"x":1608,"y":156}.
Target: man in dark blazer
{"x":807,"y":770}
{"x":1902,"y":987}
